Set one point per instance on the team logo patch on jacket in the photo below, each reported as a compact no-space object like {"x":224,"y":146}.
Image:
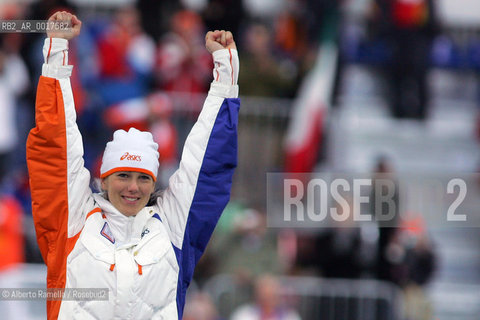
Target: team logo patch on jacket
{"x":107,"y":233}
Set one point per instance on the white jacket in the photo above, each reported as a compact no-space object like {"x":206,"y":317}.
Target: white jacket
{"x":146,"y":261}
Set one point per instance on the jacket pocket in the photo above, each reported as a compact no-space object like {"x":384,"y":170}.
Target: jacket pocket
{"x":97,"y":247}
{"x":152,"y":249}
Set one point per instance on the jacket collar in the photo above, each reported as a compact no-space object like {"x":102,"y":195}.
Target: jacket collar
{"x":126,"y":230}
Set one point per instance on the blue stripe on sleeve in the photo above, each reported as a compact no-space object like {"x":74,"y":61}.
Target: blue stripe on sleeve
{"x":211,"y":195}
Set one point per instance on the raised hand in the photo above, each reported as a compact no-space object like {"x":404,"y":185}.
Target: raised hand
{"x":219,"y":39}
{"x":70,"y":33}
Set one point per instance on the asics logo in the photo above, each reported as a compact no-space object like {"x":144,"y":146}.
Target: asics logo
{"x":146,"y":231}
{"x":131,"y":157}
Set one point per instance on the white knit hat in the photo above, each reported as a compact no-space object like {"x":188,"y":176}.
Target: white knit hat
{"x":130,"y":151}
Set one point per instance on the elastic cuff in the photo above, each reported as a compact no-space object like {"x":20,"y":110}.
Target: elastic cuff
{"x":57,"y":72}
{"x":224,"y":91}
{"x":222,"y":53}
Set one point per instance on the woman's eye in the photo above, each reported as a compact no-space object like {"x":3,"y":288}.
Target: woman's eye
{"x":145,"y":177}
{"x":122,"y":175}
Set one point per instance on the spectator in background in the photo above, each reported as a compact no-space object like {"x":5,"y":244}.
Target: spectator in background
{"x":12,"y":253}
{"x":411,"y":252}
{"x":182,"y":63}
{"x":381,"y":211}
{"x":344,"y":249}
{"x":278,"y":76}
{"x":255,"y":247}
{"x":295,"y":50}
{"x":291,"y":35}
{"x":160,"y":107}
{"x":126,"y":58}
{"x":409,"y":26}
{"x":267,"y":305}
{"x":11,"y":232}
{"x":412,"y":258}
{"x":15,"y":244}
{"x":405,"y":253}
{"x":200,"y":306}
{"x":14,"y":81}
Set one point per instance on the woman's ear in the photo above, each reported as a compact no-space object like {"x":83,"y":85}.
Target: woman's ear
{"x":103,"y":184}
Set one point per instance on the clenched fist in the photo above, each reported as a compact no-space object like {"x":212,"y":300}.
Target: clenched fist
{"x":219,"y":39}
{"x":70,"y":33}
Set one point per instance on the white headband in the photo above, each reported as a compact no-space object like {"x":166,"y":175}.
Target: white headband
{"x":130,"y":151}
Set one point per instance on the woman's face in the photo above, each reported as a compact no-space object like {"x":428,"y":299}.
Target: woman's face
{"x":128,"y":191}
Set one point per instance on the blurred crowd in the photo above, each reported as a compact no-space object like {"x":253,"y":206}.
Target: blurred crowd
{"x":134,"y":66}
{"x":145,"y":65}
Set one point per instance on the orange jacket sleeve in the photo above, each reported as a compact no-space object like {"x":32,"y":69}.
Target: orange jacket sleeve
{"x":59,"y":182}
